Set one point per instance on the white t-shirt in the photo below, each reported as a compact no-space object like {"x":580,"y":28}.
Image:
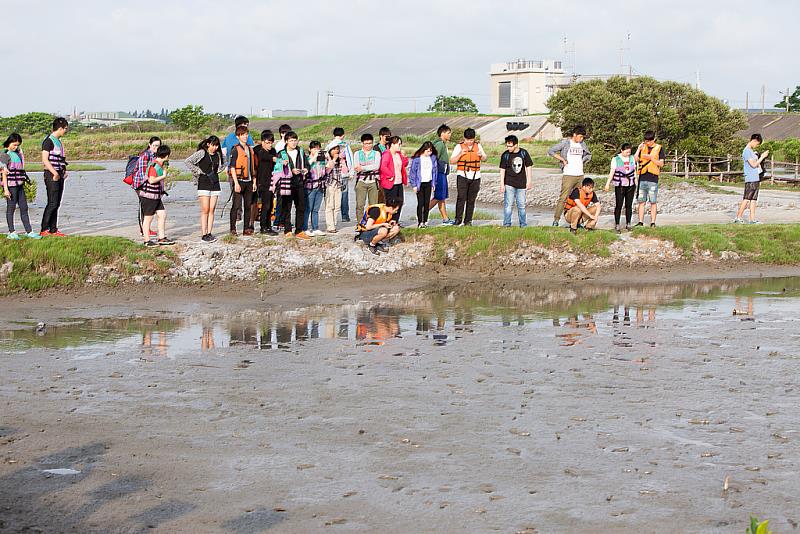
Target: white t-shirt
{"x":457,"y":152}
{"x":425,"y":169}
{"x":398,"y":168}
{"x":574,"y":166}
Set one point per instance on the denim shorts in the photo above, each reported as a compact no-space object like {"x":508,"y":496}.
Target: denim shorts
{"x":648,"y":192}
{"x":368,"y":235}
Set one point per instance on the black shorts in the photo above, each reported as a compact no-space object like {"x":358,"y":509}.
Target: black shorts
{"x":150,"y":206}
{"x":751,"y":190}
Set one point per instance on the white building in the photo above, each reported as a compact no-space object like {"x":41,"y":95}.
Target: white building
{"x":522,"y":87}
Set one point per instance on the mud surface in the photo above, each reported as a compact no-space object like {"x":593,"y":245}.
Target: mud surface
{"x":477,"y":407}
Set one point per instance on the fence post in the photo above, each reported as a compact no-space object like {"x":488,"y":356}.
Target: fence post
{"x":686,"y":166}
{"x":797,"y":168}
{"x":730,"y":158}
{"x":772,"y":169}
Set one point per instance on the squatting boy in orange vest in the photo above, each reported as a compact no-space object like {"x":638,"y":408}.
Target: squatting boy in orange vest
{"x":582,"y":207}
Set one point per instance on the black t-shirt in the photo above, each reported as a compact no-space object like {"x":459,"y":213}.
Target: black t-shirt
{"x":266,"y":162}
{"x":515,"y":164}
{"x":47,"y":144}
{"x":576,"y":195}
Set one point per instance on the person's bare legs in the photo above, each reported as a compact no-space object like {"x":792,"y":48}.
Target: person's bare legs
{"x":742,"y":206}
{"x":380,"y":236}
{"x":591,"y":223}
{"x":653,"y":212}
{"x":641,"y":212}
{"x":753,"y":210}
{"x":147,"y":220}
{"x":204,"y":204}
{"x":161,"y":215}
{"x":212,"y":205}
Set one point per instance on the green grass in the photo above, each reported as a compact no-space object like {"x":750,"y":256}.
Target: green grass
{"x":65,"y":262}
{"x":777,"y":244}
{"x":73,"y":167}
{"x":491,"y":241}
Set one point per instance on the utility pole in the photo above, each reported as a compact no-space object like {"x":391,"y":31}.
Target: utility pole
{"x":369,"y":105}
{"x":763,"y":94}
{"x":747,"y":102}
{"x":786,"y":99}
{"x":328,"y":102}
{"x":316,"y":112}
{"x":697,"y":82}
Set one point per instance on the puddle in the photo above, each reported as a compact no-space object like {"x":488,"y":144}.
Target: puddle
{"x":576,"y":315}
{"x":61,"y":471}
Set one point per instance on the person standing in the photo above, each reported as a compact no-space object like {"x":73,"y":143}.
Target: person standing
{"x":12,"y":168}
{"x":572,"y":154}
{"x":650,"y":158}
{"x":333,"y":186}
{"x":280,"y":144}
{"x":422,"y":176}
{"x":752,"y":178}
{"x":293,"y":166}
{"x":150,"y":197}
{"x":467,"y":156}
{"x":623,"y":177}
{"x":366,"y":165}
{"x":346,"y":153}
{"x":315,"y":189}
{"x":140,"y":174}
{"x":383,"y":140}
{"x":266,"y":156}
{"x":231,"y":140}
{"x":55,"y":164}
{"x":516,"y":170}
{"x":205,"y":165}
{"x":393,"y":174}
{"x":242,"y":168}
{"x":440,"y":191}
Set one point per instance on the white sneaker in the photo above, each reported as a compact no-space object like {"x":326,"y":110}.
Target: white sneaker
{"x":755,"y":221}
{"x":737,"y":220}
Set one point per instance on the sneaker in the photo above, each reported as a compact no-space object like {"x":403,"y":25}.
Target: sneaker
{"x":13,"y":236}
{"x":573,"y":230}
{"x":33,"y":235}
{"x":234,"y":233}
{"x":617,"y":229}
{"x":447,"y":222}
{"x":211,"y":238}
{"x":165,"y":241}
{"x":44,"y":233}
{"x":755,"y":221}
{"x":383,"y":247}
{"x":332,"y":230}
{"x":345,"y":220}
{"x":302,"y":235}
{"x":59,"y":233}
{"x":737,"y":220}
{"x":627,"y":227}
{"x":640,"y":224}
{"x":151,"y":243}
{"x":419,"y":225}
{"x":555,"y":223}
{"x":589,"y":229}
{"x":372,"y":248}
{"x":206,"y":238}
{"x":248,"y":231}
{"x":652,"y":225}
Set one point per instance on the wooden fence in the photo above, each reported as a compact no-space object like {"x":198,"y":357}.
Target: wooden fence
{"x":727,"y":168}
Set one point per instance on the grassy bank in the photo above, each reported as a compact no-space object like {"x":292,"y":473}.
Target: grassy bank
{"x":472,"y":242}
{"x":73,"y":167}
{"x":777,"y":244}
{"x":67,"y":262}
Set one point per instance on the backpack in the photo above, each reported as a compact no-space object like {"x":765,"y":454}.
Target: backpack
{"x":130,"y":170}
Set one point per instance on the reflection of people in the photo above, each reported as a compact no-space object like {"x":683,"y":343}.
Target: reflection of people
{"x":149,"y":349}
{"x":207,"y":339}
{"x":651,"y":315}
{"x":740,"y":310}
{"x":573,"y":338}
{"x":377,"y":324}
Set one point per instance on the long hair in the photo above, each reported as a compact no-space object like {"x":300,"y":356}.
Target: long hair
{"x":211,"y":140}
{"x":13,"y":138}
{"x":425,"y":146}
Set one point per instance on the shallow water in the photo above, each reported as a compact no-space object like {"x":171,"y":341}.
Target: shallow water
{"x":470,"y":409}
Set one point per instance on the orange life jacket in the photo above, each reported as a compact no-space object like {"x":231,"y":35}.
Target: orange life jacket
{"x":648,"y":165}
{"x":384,"y":217}
{"x":242,"y":170}
{"x":470,"y":158}
{"x":584,"y":199}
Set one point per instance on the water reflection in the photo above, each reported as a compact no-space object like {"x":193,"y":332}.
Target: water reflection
{"x":438,"y":317}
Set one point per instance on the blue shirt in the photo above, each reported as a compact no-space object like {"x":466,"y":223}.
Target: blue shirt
{"x":750,"y":173}
{"x":231,"y":141}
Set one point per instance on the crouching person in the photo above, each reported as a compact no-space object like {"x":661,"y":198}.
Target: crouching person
{"x":378,"y":226}
{"x":582,"y":208}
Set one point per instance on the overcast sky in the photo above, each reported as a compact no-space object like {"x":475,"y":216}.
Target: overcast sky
{"x":102,"y":55}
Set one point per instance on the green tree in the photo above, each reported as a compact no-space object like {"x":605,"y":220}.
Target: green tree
{"x":458,"y":104}
{"x":30,"y":123}
{"x":619,"y":111}
{"x":794,"y":101}
{"x":189,"y":118}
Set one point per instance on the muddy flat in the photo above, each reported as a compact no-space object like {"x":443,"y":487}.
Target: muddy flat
{"x":468,"y":407}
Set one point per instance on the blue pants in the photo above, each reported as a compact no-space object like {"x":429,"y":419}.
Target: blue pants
{"x":313,"y":203}
{"x":345,"y":201}
{"x":512,"y":196}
